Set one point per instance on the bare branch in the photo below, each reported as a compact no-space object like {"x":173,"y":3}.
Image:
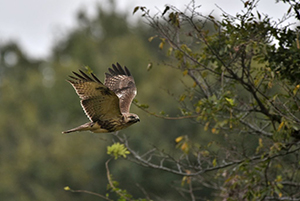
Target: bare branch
{"x":282,"y":198}
{"x":255,"y":129}
{"x":166,"y":117}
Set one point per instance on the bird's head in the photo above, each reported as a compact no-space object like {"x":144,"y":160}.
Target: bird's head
{"x":131,"y":118}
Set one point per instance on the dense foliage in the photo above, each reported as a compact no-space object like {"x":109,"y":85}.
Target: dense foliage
{"x":244,"y":93}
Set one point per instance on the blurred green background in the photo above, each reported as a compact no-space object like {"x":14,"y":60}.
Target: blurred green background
{"x":36,"y":160}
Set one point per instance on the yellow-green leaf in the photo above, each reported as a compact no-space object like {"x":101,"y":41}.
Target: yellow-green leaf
{"x":194,"y":84}
{"x":204,"y":153}
{"x":206,"y":126}
{"x":67,"y":188}
{"x":185,"y":72}
{"x":296,"y":89}
{"x":178,"y":139}
{"x":230,"y":101}
{"x":151,"y":38}
{"x":280,"y":126}
{"x":198,"y":109}
{"x":170,"y":50}
{"x":161,"y":45}
{"x":182,"y":97}
{"x":260,"y":145}
{"x":214,"y":163}
{"x":117,"y":150}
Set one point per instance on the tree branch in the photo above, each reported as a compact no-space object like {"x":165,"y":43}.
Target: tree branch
{"x":119,"y":192}
{"x":146,"y":163}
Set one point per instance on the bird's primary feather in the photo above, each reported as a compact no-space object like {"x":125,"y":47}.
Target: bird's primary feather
{"x":121,"y":82}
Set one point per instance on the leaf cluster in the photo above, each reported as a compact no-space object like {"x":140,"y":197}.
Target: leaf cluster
{"x":117,"y":150}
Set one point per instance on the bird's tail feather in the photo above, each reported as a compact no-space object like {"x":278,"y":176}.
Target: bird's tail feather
{"x":84,"y":127}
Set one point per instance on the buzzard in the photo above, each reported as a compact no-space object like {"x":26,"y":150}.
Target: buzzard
{"x":106,"y":105}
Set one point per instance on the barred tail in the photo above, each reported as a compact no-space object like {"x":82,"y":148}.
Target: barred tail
{"x":84,"y":127}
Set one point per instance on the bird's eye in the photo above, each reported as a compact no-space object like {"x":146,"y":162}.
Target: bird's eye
{"x":131,"y":117}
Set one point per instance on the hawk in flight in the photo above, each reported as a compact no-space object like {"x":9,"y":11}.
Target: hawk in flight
{"x":106,"y":105}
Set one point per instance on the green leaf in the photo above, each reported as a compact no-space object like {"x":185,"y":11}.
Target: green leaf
{"x":296,"y":89}
{"x":151,"y":38}
{"x":205,"y":153}
{"x":67,"y":188}
{"x":230,"y":101}
{"x":170,"y":50}
{"x":117,"y":150}
{"x":182,"y":97}
{"x":185,"y":48}
{"x":214,"y":162}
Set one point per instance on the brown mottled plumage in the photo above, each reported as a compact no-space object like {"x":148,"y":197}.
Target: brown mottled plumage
{"x":106,"y":105}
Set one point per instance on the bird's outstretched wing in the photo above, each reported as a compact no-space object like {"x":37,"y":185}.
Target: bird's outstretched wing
{"x":97,"y":100}
{"x":121,"y":82}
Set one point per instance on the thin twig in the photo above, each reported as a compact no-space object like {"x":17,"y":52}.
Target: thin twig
{"x":111,"y":183}
{"x":166,"y":117}
{"x":91,"y":193}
